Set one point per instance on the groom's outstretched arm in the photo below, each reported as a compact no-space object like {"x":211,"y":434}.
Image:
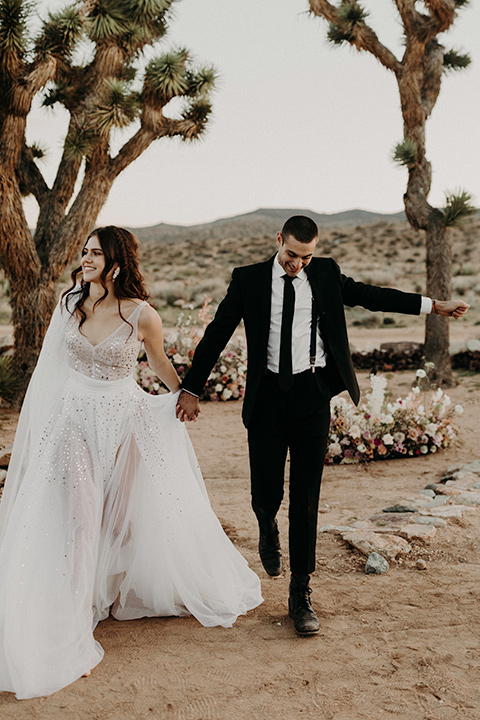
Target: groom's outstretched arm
{"x":217,"y":335}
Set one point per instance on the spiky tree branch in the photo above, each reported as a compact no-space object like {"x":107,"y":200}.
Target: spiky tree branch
{"x":101,"y":98}
{"x":347,"y":24}
{"x":418,"y":76}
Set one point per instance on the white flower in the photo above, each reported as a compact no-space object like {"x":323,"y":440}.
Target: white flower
{"x":399,"y":437}
{"x":433,"y":449}
{"x":376,"y":397}
{"x":335,"y":449}
{"x":354,"y":432}
{"x":423,"y":449}
{"x":177,"y":359}
{"x":458,"y":409}
{"x":421,"y":373}
{"x":431,"y":429}
{"x":361,"y":448}
{"x":223,"y":368}
{"x":416,"y":390}
{"x":387,"y":419}
{"x":227,"y":394}
{"x":387,"y":439}
{"x":218,"y":387}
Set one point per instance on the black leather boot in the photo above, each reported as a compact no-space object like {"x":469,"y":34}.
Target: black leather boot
{"x":300,"y":608}
{"x":269,"y":549}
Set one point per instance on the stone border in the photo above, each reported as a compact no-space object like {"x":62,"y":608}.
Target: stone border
{"x":389,"y":534}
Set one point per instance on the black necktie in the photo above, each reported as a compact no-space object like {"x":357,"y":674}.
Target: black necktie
{"x":285,"y":366}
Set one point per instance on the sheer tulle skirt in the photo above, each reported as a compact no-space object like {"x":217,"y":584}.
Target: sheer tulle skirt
{"x":112,"y":514}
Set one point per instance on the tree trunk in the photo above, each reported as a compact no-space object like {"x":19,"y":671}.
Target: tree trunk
{"x":437,"y":328}
{"x":32,"y":307}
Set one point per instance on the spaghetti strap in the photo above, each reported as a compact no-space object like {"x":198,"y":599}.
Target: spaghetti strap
{"x":134,"y":317}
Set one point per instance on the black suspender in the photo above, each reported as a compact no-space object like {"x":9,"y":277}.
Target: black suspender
{"x":313,"y":336}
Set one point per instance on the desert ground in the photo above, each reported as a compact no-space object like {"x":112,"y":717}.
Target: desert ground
{"x":400,"y":645}
{"x":403,"y":645}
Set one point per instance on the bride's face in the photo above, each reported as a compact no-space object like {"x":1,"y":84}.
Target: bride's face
{"x":93,"y":260}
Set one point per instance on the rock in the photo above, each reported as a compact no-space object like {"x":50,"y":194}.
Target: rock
{"x":337,"y":528}
{"x":458,"y":347}
{"x":361,"y":525}
{"x":450,"y":490}
{"x":383,"y":519}
{"x":429,"y":520}
{"x":400,"y":509}
{"x":473,"y":467}
{"x":404,"y":346}
{"x":389,"y":546}
{"x":473,"y":345}
{"x":454,"y":511}
{"x":421,"y":564}
{"x":376,"y":564}
{"x":477,"y":486}
{"x":418,"y":532}
{"x":438,"y":500}
{"x":462,"y":476}
{"x":428,"y":492}
{"x":452,"y":469}
{"x":468,"y":498}
{"x":433,"y":486}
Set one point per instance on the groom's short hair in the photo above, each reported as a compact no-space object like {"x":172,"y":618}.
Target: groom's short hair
{"x":301,"y":227}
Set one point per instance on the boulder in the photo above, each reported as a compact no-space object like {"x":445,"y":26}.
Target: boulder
{"x":389,"y":546}
{"x":417,"y":532}
{"x":376,"y":564}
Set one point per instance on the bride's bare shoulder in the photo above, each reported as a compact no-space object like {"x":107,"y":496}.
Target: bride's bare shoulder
{"x":128,"y":305}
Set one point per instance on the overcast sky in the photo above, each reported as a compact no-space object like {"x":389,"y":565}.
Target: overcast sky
{"x":296,"y":122}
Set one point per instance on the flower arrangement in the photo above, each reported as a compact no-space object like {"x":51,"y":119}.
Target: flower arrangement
{"x":418,"y":424}
{"x":227,"y":379}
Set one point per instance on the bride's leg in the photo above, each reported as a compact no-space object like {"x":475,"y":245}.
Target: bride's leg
{"x":116,"y":508}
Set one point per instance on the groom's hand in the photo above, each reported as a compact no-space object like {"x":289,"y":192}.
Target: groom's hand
{"x":188,"y":406}
{"x":451,"y":308}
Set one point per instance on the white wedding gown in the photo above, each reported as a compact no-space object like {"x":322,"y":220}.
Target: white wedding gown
{"x":104,"y":510}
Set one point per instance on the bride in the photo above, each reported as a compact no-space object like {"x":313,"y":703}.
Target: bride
{"x":104,"y":508}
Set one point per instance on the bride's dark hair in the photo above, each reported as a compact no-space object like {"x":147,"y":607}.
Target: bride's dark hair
{"x":119,"y":247}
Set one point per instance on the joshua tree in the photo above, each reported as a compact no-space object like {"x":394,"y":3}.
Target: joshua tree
{"x":86,"y":58}
{"x":418,"y":75}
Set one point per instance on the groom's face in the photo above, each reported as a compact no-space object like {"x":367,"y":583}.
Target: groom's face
{"x":294,"y":255}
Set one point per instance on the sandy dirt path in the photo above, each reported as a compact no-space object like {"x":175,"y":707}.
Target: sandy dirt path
{"x":403,"y":645}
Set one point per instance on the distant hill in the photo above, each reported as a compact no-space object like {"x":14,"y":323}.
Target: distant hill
{"x":258,"y":223}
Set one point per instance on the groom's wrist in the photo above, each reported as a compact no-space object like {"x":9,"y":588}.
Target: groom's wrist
{"x":189,"y":392}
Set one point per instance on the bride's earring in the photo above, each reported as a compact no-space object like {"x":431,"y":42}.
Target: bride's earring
{"x":116,"y":274}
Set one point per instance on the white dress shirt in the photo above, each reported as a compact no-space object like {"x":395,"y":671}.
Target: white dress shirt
{"x":302,"y":322}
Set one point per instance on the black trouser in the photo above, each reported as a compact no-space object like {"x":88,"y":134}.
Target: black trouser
{"x":299,"y":421}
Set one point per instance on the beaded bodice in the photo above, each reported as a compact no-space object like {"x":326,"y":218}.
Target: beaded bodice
{"x":112,"y":359}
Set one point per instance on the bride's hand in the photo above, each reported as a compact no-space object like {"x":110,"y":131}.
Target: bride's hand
{"x":188,"y":406}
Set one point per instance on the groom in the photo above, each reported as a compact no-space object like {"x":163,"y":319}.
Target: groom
{"x":298,"y":358}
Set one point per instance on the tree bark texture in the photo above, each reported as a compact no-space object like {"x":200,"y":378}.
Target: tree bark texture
{"x":418,"y":75}
{"x":33,"y":265}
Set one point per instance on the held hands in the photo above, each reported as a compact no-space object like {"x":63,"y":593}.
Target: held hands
{"x":188,"y":407}
{"x":450,"y":308}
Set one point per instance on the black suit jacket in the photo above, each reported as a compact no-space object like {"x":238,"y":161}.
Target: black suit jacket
{"x":249,"y":298}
